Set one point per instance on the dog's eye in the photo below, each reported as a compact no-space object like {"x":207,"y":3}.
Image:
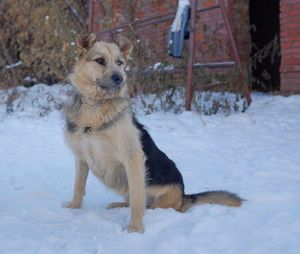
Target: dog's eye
{"x":119,"y":62}
{"x":100,"y":61}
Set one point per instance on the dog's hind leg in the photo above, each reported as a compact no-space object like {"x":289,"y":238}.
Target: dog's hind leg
{"x":79,"y":187}
{"x":119,"y":204}
{"x":167,"y":196}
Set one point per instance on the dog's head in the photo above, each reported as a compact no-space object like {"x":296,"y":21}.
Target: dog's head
{"x":99,"y":72}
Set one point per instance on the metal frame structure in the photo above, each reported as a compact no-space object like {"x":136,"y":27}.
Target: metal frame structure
{"x":190,"y":65}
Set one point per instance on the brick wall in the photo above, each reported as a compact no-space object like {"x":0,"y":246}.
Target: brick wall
{"x":211,"y":39}
{"x":290,"y":45}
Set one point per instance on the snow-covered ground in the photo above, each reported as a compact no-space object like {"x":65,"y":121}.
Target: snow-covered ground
{"x":255,"y":154}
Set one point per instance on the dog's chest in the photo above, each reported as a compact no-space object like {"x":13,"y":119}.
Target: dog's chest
{"x":97,"y":151}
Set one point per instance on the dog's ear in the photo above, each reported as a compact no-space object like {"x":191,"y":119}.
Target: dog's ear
{"x":125,"y":46}
{"x":84,"y":42}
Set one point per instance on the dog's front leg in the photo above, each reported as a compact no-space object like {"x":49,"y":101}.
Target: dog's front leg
{"x":79,"y":186}
{"x":136,"y":183}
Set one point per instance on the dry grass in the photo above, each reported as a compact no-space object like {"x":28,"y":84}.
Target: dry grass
{"x":32,"y":32}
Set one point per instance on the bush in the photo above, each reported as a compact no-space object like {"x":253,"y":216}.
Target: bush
{"x":38,"y":36}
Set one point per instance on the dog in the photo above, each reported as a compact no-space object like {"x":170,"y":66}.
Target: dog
{"x":107,"y":139}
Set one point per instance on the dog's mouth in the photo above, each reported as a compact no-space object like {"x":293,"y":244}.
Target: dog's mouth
{"x":108,"y":88}
{"x":106,"y":85}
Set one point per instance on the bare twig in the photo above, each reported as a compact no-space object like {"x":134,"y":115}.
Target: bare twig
{"x":10,"y":62}
{"x":1,"y":6}
{"x":75,"y":12}
{"x":67,"y":32}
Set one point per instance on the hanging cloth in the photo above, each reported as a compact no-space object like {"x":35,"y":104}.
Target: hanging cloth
{"x":179,"y":29}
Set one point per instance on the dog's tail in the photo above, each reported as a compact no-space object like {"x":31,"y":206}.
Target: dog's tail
{"x":211,"y":197}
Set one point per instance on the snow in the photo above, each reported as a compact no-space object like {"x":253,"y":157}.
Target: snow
{"x":160,"y":66}
{"x":41,"y":100}
{"x":13,"y":65}
{"x":156,"y":65}
{"x":214,"y":64}
{"x":36,"y":101}
{"x":254,"y":154}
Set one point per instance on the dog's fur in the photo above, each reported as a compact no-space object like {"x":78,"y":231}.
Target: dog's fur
{"x":107,"y":139}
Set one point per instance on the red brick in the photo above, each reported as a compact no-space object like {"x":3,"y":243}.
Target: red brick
{"x":295,"y":19}
{"x":289,"y":61}
{"x":285,"y":8}
{"x":295,"y":32}
{"x":295,"y":50}
{"x":208,"y":3}
{"x":285,"y":45}
{"x":284,"y":33}
{"x":291,"y":75}
{"x":296,"y":6}
{"x":289,"y":2}
{"x":295,"y":43}
{"x":291,"y":25}
{"x":294,"y":12}
{"x":295,"y":81}
{"x":290,"y":68}
{"x":287,"y":86}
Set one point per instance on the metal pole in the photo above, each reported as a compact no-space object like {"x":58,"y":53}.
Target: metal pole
{"x":153,"y":20}
{"x":91,"y":15}
{"x":235,"y":51}
{"x":189,"y":78}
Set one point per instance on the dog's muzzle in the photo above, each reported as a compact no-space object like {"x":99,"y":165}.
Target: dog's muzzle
{"x":114,"y":82}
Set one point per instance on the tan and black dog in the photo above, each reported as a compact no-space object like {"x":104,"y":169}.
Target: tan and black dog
{"x":106,"y":138}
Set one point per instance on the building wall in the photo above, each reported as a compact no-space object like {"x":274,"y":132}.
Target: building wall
{"x":290,"y":45}
{"x":211,"y":40}
{"x":211,"y":37}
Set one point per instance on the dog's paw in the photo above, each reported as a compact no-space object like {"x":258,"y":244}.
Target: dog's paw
{"x":117,"y":205}
{"x":72,"y":205}
{"x":135,"y":228}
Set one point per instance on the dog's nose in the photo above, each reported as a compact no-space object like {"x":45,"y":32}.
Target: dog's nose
{"x":117,"y":78}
